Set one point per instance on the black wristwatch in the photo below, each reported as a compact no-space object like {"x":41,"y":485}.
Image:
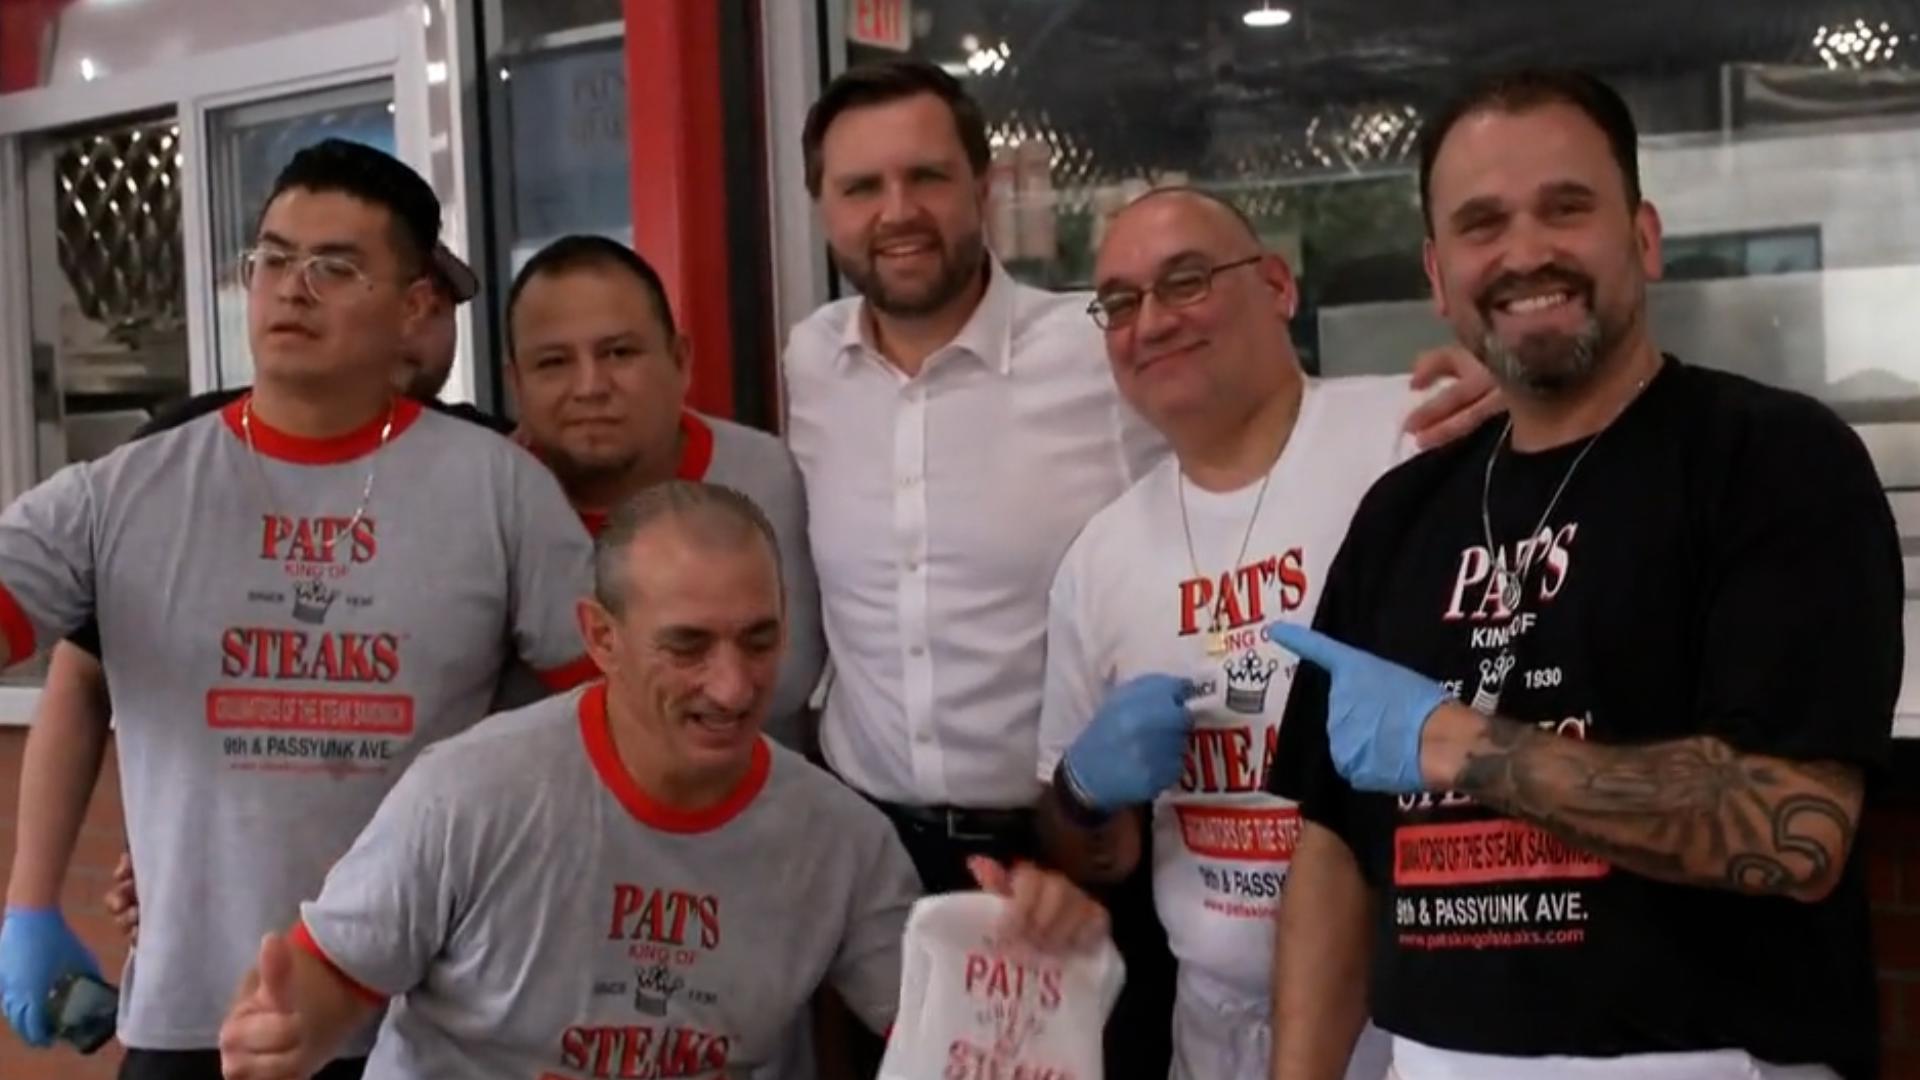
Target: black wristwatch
{"x":1074,"y":801}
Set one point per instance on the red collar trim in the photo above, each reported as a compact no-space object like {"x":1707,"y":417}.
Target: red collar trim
{"x":696,"y":456}
{"x":598,"y":736}
{"x":300,"y":450}
{"x":696,"y":448}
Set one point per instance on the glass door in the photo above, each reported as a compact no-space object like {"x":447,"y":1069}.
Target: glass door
{"x":247,"y":146}
{"x":108,"y":295}
{"x":106,"y":315}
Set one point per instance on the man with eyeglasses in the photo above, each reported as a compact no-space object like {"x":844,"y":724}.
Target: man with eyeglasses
{"x":955,"y":429}
{"x":288,"y":613}
{"x":1162,"y":701}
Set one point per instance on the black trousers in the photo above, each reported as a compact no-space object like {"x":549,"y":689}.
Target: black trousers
{"x":205,"y":1065}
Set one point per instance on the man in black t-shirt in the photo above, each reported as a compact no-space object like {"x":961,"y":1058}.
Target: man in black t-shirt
{"x":1581,"y":738}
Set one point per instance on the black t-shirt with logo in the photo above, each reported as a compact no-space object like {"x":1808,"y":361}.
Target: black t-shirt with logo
{"x":1723,"y":562}
{"x":87,"y":637}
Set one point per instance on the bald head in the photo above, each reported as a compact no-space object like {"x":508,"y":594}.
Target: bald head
{"x":1177,"y":223}
{"x":1229,"y":216}
{"x":1195,"y":310}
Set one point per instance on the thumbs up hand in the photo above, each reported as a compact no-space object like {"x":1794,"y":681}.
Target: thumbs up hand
{"x":264,"y":1036}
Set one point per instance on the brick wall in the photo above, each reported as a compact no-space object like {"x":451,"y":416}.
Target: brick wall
{"x":1892,"y":839}
{"x":101,"y":842}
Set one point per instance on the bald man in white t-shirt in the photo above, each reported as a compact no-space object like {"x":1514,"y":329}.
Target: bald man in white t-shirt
{"x":1162,"y":699}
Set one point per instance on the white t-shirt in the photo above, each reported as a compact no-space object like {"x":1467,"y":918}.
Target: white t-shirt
{"x":1127,"y":602}
{"x":1414,"y":1061}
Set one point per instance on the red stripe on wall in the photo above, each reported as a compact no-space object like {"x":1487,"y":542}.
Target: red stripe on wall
{"x":674,"y":118}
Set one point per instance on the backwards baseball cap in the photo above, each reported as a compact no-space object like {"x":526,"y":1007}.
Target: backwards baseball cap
{"x":453,"y":274}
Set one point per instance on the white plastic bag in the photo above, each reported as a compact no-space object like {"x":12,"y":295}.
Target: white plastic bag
{"x":972,"y":1008}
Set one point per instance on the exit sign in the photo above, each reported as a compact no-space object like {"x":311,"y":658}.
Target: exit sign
{"x":882,"y":24}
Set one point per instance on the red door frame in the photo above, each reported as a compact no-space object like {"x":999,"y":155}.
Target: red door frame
{"x":674,"y":118}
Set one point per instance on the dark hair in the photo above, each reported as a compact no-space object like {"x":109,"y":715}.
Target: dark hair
{"x":372,"y":176}
{"x":718,"y":515}
{"x":1531,"y":88}
{"x":886,"y":81}
{"x":582,"y":252}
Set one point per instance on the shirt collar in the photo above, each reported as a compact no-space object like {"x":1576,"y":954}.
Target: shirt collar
{"x":987,"y":336}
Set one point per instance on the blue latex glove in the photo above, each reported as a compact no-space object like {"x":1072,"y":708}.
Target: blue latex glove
{"x":1375,"y":712}
{"x":36,"y":949}
{"x":1135,"y":746}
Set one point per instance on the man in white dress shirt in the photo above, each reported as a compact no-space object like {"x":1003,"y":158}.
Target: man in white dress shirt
{"x":954,"y":429}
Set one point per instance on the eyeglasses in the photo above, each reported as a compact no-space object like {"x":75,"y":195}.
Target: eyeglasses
{"x":325,"y":276}
{"x":1116,"y":309}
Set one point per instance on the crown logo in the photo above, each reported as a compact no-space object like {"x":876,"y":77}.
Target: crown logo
{"x":1493,"y":680}
{"x":312,"y":600}
{"x":654,"y":989}
{"x":1248,"y":677}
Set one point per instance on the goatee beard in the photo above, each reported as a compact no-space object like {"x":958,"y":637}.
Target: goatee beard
{"x":1546,"y":364}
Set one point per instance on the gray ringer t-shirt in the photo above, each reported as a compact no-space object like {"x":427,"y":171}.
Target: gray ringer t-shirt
{"x":758,"y":466}
{"x":535,"y":916}
{"x":273,"y":669}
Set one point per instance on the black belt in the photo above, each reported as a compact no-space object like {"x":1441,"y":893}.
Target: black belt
{"x":959,"y":822}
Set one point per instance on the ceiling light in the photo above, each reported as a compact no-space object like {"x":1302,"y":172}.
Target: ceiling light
{"x":1266,"y":16}
{"x":87,"y":70}
{"x":988,"y":61}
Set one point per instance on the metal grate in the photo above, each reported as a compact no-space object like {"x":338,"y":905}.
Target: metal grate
{"x":119,"y":228}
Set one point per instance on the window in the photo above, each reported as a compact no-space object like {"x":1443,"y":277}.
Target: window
{"x":108,"y":318}
{"x":555,"y":101}
{"x":1780,"y":141}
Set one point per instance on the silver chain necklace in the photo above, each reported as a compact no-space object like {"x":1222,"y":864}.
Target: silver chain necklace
{"x":1510,"y":582}
{"x":1216,"y":634}
{"x":366,"y":491}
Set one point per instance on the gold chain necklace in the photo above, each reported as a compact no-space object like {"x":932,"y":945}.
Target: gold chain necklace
{"x":366,"y":491}
{"x":1216,"y":633}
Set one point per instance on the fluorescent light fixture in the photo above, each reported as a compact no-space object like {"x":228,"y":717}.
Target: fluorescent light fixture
{"x":1266,"y":16}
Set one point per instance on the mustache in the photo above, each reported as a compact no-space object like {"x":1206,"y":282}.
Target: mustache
{"x":908,"y":232}
{"x":1511,"y":283}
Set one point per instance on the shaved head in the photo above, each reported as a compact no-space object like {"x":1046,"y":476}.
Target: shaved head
{"x":1195,"y":312}
{"x":1207,"y":202}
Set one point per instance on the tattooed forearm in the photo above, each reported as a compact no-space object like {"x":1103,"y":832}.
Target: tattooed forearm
{"x":1692,"y":811}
